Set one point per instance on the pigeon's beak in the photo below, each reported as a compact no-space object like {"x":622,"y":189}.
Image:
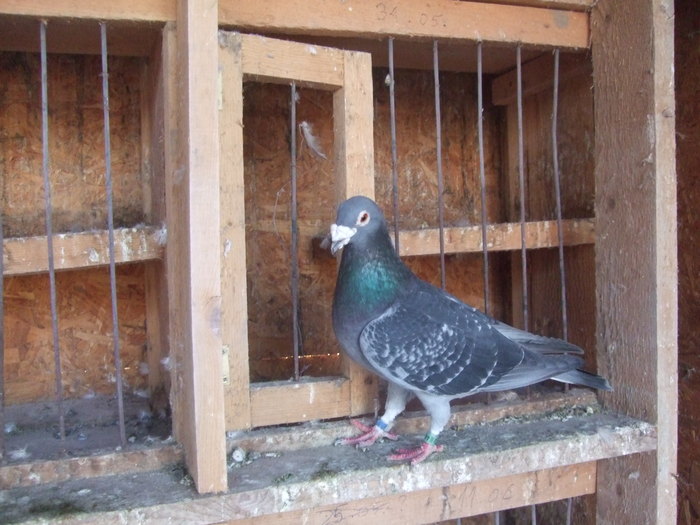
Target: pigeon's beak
{"x":340,"y":236}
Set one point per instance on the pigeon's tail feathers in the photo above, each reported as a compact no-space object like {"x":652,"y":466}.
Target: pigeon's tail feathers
{"x":536,"y":343}
{"x":581,"y":377}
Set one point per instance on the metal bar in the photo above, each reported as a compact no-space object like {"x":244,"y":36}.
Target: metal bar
{"x":482,"y":169}
{"x":49,"y":229}
{"x":394,"y":156}
{"x":295,"y":231}
{"x":557,"y":191}
{"x":521,"y":183}
{"x":569,"y":510}
{"x":533,"y":514}
{"x":438,"y":145}
{"x":110,"y":226}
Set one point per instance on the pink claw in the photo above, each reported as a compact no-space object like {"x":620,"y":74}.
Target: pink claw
{"x":368,"y":437}
{"x":416,"y":455}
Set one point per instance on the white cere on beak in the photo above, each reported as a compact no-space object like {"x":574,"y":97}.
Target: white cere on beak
{"x":340,"y":236}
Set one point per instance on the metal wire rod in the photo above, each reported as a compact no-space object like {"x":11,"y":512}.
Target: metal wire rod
{"x":482,"y":170}
{"x":521,"y":184}
{"x":394,"y":159}
{"x":295,"y":231}
{"x":438,"y":146}
{"x":49,"y":229}
{"x":557,"y":191}
{"x":110,"y":226}
{"x":2,"y":337}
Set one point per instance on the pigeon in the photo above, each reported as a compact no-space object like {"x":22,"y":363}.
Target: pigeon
{"x":423,"y":341}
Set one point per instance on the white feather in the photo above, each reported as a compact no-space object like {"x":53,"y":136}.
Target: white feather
{"x":311,"y":139}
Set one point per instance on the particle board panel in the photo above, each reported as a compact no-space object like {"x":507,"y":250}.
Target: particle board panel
{"x":636,"y":210}
{"x":442,"y":19}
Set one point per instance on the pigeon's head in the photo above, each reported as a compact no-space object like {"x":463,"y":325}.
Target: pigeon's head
{"x":358,"y":219}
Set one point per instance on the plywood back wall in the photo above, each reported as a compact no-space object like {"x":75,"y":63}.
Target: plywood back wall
{"x":78,"y":187}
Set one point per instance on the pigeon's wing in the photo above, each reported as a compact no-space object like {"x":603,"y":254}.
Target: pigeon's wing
{"x":536,"y":343}
{"x":429,"y":341}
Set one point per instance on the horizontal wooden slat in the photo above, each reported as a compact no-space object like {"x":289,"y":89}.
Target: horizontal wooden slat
{"x":144,"y":10}
{"x":289,"y":402}
{"x":538,"y":75}
{"x":23,"y":255}
{"x":449,"y":503}
{"x":499,"y":237}
{"x":444,"y":19}
{"x":280,"y":61}
{"x":55,"y":471}
{"x":576,"y":5}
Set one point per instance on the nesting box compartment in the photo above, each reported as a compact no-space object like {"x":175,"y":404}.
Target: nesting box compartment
{"x":200,"y":111}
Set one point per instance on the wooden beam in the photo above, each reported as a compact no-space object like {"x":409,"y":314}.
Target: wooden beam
{"x":194,"y":267}
{"x":499,"y":237}
{"x":234,"y":293}
{"x":636,"y":259}
{"x":284,"y":402}
{"x":60,"y":470}
{"x":537,"y":76}
{"x":278,"y":61}
{"x":23,"y":255}
{"x":443,"y":19}
{"x":145,"y":10}
{"x":353,"y":116}
{"x":451,"y":502}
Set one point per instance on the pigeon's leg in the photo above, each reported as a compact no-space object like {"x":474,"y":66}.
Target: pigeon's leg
{"x":439,"y":409}
{"x":396,"y":400}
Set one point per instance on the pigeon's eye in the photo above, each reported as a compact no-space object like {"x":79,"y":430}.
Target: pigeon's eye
{"x":363,"y":218}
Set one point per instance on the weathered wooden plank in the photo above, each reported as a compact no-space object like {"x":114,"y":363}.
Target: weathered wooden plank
{"x":636,"y":258}
{"x":353,"y":116}
{"x":344,"y":477}
{"x":193,"y":222}
{"x":146,"y":10}
{"x":538,"y":75}
{"x":279,"y":61}
{"x":56,"y":471}
{"x":23,"y":255}
{"x":499,"y":237}
{"x":436,"y":19}
{"x":576,"y":5}
{"x":448,"y":503}
{"x":290,"y":402}
{"x":234,"y":293}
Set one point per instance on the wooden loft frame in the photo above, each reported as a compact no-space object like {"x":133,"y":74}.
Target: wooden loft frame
{"x":349,"y":76}
{"x":635,"y":208}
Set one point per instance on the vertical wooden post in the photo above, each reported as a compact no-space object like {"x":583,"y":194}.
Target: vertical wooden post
{"x":636,"y":258}
{"x":194,"y":267}
{"x":153,"y":172}
{"x":234,"y":291}
{"x":354,"y":160}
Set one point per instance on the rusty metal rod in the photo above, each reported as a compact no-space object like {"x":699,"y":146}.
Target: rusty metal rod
{"x":521,"y":184}
{"x":438,"y":147}
{"x":295,"y":232}
{"x":394,"y":155}
{"x":45,"y":163}
{"x":482,"y":170}
{"x":110,"y":227}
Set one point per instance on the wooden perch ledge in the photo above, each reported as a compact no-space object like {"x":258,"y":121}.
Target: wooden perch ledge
{"x":522,"y":458}
{"x":23,"y":255}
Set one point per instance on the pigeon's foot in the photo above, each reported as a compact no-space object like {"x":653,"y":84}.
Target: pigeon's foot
{"x":416,"y":455}
{"x":368,"y":437}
